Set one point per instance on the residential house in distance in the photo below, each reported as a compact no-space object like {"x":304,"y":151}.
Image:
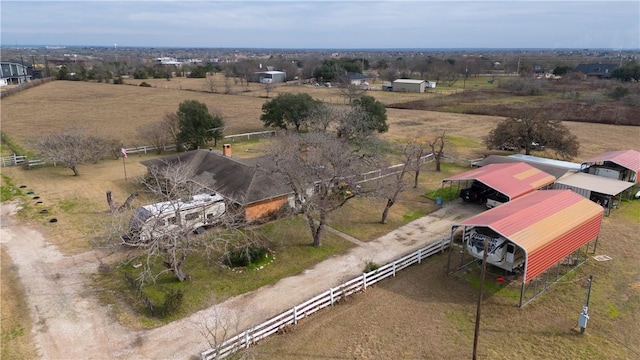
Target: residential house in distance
{"x":597,"y":70}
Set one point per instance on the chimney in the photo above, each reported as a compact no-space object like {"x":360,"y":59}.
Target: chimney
{"x":226,"y":150}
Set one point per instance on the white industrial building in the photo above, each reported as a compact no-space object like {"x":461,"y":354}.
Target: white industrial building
{"x":409,"y":85}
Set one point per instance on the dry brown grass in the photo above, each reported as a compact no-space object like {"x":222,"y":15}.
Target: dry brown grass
{"x":15,"y":326}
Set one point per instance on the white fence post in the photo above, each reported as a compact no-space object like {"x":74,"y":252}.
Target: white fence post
{"x":331,"y":295}
{"x":420,"y":256}
{"x":295,"y":314}
{"x":394,"y":269}
{"x":364,"y":281}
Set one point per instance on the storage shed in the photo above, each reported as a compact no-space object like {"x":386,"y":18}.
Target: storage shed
{"x":270,"y":77}
{"x":499,"y":183}
{"x":601,"y":190}
{"x":620,"y":165}
{"x":543,"y":235}
{"x":408,"y":85}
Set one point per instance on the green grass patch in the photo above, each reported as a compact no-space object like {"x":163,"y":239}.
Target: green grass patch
{"x":290,"y":245}
{"x":447,"y":193}
{"x":463,"y":142}
{"x":67,"y":205}
{"x":8,"y":190}
{"x":612,"y":311}
{"x":12,"y":146}
{"x":630,"y":209}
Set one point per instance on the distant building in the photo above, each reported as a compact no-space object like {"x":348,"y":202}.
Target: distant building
{"x":409,"y":85}
{"x":166,"y":61}
{"x":596,"y":70}
{"x":13,"y":73}
{"x":270,"y":77}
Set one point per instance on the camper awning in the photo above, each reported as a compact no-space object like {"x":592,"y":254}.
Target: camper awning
{"x":595,"y":183}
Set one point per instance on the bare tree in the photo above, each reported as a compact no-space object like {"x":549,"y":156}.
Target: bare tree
{"x":323,"y":117}
{"x":210,"y":84}
{"x":416,"y":150}
{"x":321,"y":170}
{"x":71,"y":149}
{"x":269,"y":87}
{"x":155,"y":134}
{"x":397,"y":186}
{"x":221,"y":325}
{"x":171,"y":125}
{"x":436,"y":144}
{"x":350,"y":91}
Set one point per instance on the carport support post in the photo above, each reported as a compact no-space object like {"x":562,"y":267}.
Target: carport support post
{"x":482,"y":275}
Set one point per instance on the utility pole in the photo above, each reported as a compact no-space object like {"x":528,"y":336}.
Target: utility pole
{"x":583,"y":318}
{"x":482,"y":275}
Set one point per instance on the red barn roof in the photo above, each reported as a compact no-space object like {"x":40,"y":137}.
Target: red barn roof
{"x":629,"y":159}
{"x":511,"y":179}
{"x":548,"y":225}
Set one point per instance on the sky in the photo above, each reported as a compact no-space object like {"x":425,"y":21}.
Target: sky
{"x":320,"y":24}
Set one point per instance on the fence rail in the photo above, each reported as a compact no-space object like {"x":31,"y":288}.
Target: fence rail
{"x":323,"y":300}
{"x":13,"y":160}
{"x":388,"y":171}
{"x":248,"y":135}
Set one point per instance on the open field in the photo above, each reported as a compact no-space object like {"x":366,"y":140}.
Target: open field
{"x":427,"y":305}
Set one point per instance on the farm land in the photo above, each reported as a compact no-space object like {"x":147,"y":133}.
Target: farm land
{"x":419,"y":314}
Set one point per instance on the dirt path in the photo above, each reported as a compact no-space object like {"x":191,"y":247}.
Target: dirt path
{"x":70,"y":324}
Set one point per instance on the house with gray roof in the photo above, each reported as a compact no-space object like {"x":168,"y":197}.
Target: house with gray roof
{"x":246,"y":183}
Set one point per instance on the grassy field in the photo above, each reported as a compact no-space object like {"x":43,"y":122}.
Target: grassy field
{"x":114,"y":111}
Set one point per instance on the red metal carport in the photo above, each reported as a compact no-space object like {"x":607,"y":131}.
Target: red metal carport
{"x":511,"y":179}
{"x":548,"y":225}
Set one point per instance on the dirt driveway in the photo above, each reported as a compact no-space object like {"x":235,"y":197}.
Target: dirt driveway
{"x":69,"y":323}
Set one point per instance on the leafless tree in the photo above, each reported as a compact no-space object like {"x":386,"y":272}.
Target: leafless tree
{"x":72,"y":148}
{"x":350,"y":91}
{"x":269,"y":87}
{"x":323,"y":117}
{"x":416,"y":150}
{"x":221,"y":325}
{"x":156,"y":134}
{"x":210,"y":84}
{"x":321,"y":170}
{"x":396,"y":187}
{"x":436,"y":144}
{"x":171,"y":125}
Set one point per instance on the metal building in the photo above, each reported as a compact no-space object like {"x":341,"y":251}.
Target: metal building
{"x":408,"y":85}
{"x":499,"y":183}
{"x":543,"y":235}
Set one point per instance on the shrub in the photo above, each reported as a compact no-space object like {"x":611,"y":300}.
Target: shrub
{"x":371,"y":266}
{"x":145,"y":84}
{"x":245,"y":256}
{"x":619,"y":92}
{"x":632,"y":100}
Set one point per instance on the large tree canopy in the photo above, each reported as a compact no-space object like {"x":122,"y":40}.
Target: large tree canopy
{"x":288,"y":109}
{"x":368,"y":115}
{"x":531,"y":129}
{"x":197,"y":125}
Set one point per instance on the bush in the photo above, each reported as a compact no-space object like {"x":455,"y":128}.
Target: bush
{"x":245,"y":256}
{"x":632,"y":100}
{"x":145,"y":84}
{"x":619,"y":92}
{"x":371,"y":266}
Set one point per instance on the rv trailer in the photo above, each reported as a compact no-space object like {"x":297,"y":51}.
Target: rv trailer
{"x":500,"y":252}
{"x":156,"y":220}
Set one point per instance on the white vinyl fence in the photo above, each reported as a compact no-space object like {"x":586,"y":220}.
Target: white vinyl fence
{"x":13,"y":160}
{"x":327,"y":298}
{"x":391,"y":170}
